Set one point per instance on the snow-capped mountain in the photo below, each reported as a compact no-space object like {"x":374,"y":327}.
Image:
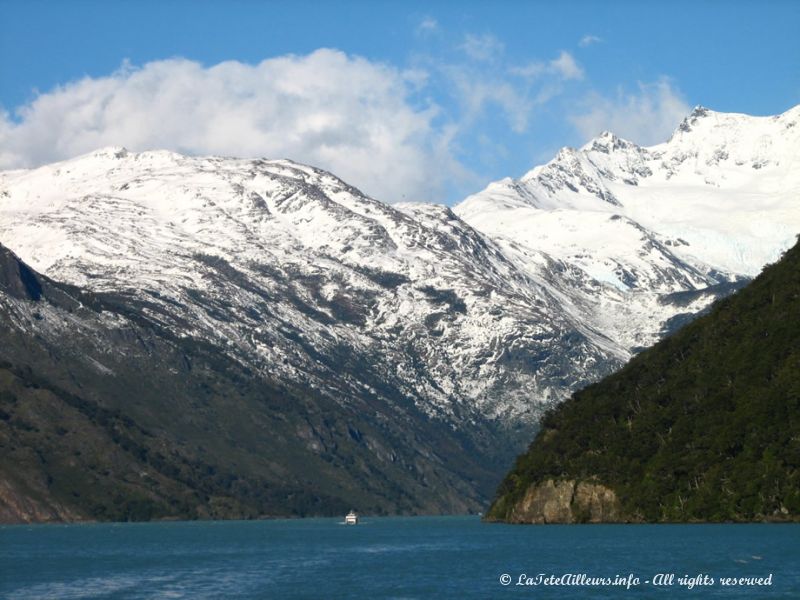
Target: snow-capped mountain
{"x":294,"y":273}
{"x":473,"y":319}
{"x":647,"y":227}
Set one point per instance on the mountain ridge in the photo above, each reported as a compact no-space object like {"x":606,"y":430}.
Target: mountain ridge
{"x":351,"y":268}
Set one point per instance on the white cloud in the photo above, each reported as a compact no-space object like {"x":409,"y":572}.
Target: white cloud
{"x":531,"y":70}
{"x":342,"y":113}
{"x":646,"y":117}
{"x":476,"y":90}
{"x":481,"y":87}
{"x":482,"y":47}
{"x":566,"y":66}
{"x":588,"y":40}
{"x":427,"y":25}
{"x":563,"y":66}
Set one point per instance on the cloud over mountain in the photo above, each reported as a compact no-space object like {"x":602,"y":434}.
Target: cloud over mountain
{"x":343,"y":113}
{"x":647,"y":116}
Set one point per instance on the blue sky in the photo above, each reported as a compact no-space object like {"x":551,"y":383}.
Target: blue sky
{"x":407,"y":100}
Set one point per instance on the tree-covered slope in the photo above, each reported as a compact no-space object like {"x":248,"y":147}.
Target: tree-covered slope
{"x":704,"y":426}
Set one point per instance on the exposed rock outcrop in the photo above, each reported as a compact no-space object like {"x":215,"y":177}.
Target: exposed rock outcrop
{"x":567,"y":501}
{"x":18,"y":506}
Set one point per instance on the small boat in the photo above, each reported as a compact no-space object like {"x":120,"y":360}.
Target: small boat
{"x":351,"y":518}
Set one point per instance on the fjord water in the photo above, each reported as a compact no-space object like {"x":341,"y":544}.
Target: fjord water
{"x":415,"y":557}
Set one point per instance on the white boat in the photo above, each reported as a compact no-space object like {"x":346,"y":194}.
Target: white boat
{"x":351,"y":518}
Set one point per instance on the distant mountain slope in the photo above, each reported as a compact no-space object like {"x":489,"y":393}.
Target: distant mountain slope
{"x":705,"y":426}
{"x":106,"y":414}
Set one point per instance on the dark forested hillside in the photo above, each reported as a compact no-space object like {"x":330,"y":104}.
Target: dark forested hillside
{"x":106,"y":415}
{"x":704,"y":426}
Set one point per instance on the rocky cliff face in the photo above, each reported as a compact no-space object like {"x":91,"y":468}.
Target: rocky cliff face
{"x":20,"y":506}
{"x":566,"y":501}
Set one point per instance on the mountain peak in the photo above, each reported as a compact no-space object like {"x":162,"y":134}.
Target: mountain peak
{"x":110,"y":152}
{"x":607,"y":142}
{"x":699,"y":112}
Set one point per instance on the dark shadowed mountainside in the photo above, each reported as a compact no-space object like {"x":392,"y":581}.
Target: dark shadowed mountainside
{"x":106,"y":415}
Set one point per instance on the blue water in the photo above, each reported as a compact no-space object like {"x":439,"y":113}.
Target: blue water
{"x":421,"y":557}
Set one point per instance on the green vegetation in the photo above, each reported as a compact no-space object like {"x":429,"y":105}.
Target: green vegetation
{"x":704,"y":426}
{"x":68,"y":457}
